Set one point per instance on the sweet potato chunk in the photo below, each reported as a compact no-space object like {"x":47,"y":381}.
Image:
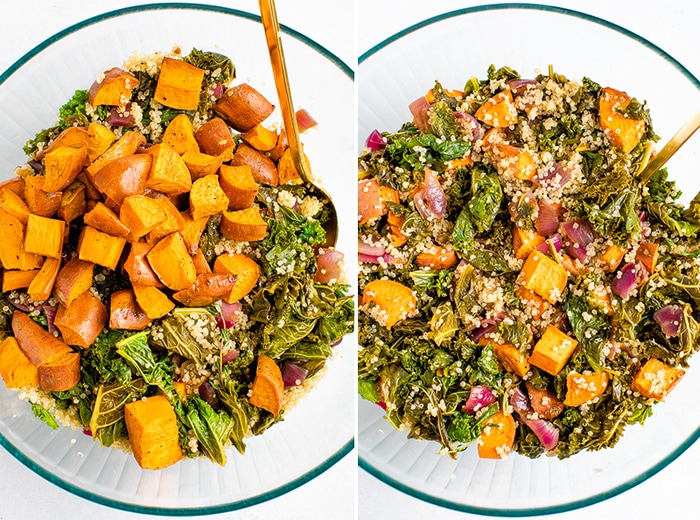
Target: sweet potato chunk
{"x":268,"y":386}
{"x":141,"y":214}
{"x":179,"y":85}
{"x":73,"y":137}
{"x":544,"y":402}
{"x":99,"y":140}
{"x":180,"y":135}
{"x":100,"y":248}
{"x":437,"y":258}
{"x":192,"y":230}
{"x":39,"y":201}
{"x":543,"y":276}
{"x":515,"y":161}
{"x":612,"y":257}
{"x":73,"y":279}
{"x":153,"y":432}
{"x":73,"y":203}
{"x":497,"y":438}
{"x":511,"y":358}
{"x":238,"y":185}
{"x":60,"y":373}
{"x":287,"y":170}
{"x":42,"y":284}
{"x":524,"y":241}
{"x":388,"y":301}
{"x":584,"y":388}
{"x":38,"y":344}
{"x":62,"y":166}
{"x":244,"y":268}
{"x":243,"y":107}
{"x":114,"y":88}
{"x":172,"y":263}
{"x":15,"y":185}
{"x":498,"y":111}
{"x":535,"y":305}
{"x":656,"y":379}
{"x":553,"y":350}
{"x":622,"y":132}
{"x":125,"y":312}
{"x":137,"y":267}
{"x":214,"y":138}
{"x":207,"y":289}
{"x":173,"y":221}
{"x":372,"y":198}
{"x":123,"y":177}
{"x":44,"y":236}
{"x":14,"y":204}
{"x":201,"y":164}
{"x":12,"y":253}
{"x":82,"y":321}
{"x":207,"y":198}
{"x":15,"y":368}
{"x":15,"y":279}
{"x":152,"y":300}
{"x":127,"y":144}
{"x":648,"y":256}
{"x":104,"y":219}
{"x":263,"y":169}
{"x":260,"y":138}
{"x":245,"y":225}
{"x":169,"y":173}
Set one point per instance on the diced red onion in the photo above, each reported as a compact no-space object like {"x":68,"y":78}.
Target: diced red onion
{"x":554,"y":178}
{"x":547,"y":221}
{"x":519,"y":84}
{"x":87,"y":431}
{"x":305,"y":120}
{"x":50,"y":313}
{"x":381,"y":404}
{"x":217,"y":90}
{"x":121,"y":117}
{"x":207,"y":393}
{"x":419,"y":109}
{"x":365,"y":248}
{"x":546,"y":432}
{"x":480,"y":332}
{"x":375,"y":141}
{"x":430,"y":199}
{"x":292,"y":374}
{"x":669,"y":319}
{"x":625,"y":281}
{"x":375,"y":259}
{"x":469,"y":121}
{"x":230,"y":356}
{"x":556,"y":241}
{"x":578,"y":231}
{"x":577,"y":251}
{"x":480,"y":396}
{"x":329,"y":265}
{"x":520,"y":401}
{"x":230,"y":313}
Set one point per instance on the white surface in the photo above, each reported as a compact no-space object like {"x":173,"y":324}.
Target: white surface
{"x":673,"y":27}
{"x":23,"y":494}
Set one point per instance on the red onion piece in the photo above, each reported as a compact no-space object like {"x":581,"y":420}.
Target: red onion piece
{"x":375,"y":259}
{"x":578,"y":231}
{"x":577,"y":251}
{"x":546,"y":432}
{"x":305,"y":120}
{"x":480,"y":396}
{"x":87,"y":431}
{"x":520,"y":84}
{"x":230,"y":313}
{"x":556,"y":241}
{"x":329,"y":265}
{"x":669,"y":319}
{"x":207,"y":393}
{"x":292,"y":374}
{"x":121,"y":117}
{"x":374,"y":249}
{"x":554,"y":178}
{"x":50,"y":313}
{"x":471,"y":123}
{"x":419,"y":109}
{"x":230,"y":356}
{"x":375,"y":141}
{"x":217,"y":90}
{"x":479,"y":333}
{"x":547,"y":221}
{"x":625,"y":281}
{"x":430,"y":199}
{"x":381,"y":404}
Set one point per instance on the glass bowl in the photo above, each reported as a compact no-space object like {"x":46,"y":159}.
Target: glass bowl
{"x":316,"y":433}
{"x":452,"y":48}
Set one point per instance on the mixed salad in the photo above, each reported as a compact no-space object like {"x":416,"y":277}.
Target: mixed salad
{"x":521,"y":289}
{"x":166,"y":285}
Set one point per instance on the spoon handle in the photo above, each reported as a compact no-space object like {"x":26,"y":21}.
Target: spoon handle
{"x":279,"y":69}
{"x":670,"y":148}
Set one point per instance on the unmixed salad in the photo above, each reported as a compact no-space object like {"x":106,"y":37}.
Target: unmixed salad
{"x":165,"y":280}
{"x":521,"y":289}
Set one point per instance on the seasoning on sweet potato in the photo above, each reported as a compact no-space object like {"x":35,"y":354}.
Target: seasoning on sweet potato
{"x":153,"y":432}
{"x":73,"y":203}
{"x":141,"y":214}
{"x":74,"y":278}
{"x":245,"y":225}
{"x":648,"y":256}
{"x":244,"y":268}
{"x":15,"y":368}
{"x":99,"y":140}
{"x":622,"y":132}
{"x":60,"y":373}
{"x":553,"y":350}
{"x":543,"y":276}
{"x":260,"y":138}
{"x":13,"y":279}
{"x":128,"y":144}
{"x":173,"y":221}
{"x":62,"y":166}
{"x":172,"y":263}
{"x":14,"y":204}
{"x":200,"y":164}
{"x":524,"y":241}
{"x":152,"y":300}
{"x":243,"y":107}
{"x":179,"y":85}
{"x":263,"y":169}
{"x":497,"y":438}
{"x":437,"y":257}
{"x":113,"y":88}
{"x":511,"y":358}
{"x":82,"y":320}
{"x":125,"y":312}
{"x":238,"y":185}
{"x":38,"y":201}
{"x":123,"y":177}
{"x":207,"y":289}
{"x":169,"y":173}
{"x":73,"y":137}
{"x":584,"y":388}
{"x":214,"y":138}
{"x":38,"y":344}
{"x":44,"y":236}
{"x":200,"y":263}
{"x":656,"y":379}
{"x":42,"y":284}
{"x":207,"y":198}
{"x":388,"y":301}
{"x":267,"y":390}
{"x":137,"y":268}
{"x":104,"y":219}
{"x":12,"y":253}
{"x":100,"y":248}
{"x":499,"y":110}
{"x":192,"y":230}
{"x":179,"y":135}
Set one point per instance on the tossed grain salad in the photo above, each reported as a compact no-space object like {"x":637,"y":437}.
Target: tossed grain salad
{"x":165,"y":280}
{"x":521,"y":289}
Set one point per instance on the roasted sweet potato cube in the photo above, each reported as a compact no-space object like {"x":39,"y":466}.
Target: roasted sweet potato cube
{"x":612,"y":257}
{"x":153,"y":432}
{"x":514,"y":161}
{"x":137,"y":268}
{"x":498,"y":111}
{"x":200,"y":263}
{"x":104,"y":219}
{"x":62,"y":166}
{"x":497,"y":438}
{"x":100,"y":248}
{"x":14,"y":204}
{"x":287,"y":170}
{"x":244,"y":268}
{"x":169,"y":173}
{"x":38,"y":344}
{"x":584,"y":388}
{"x":201,"y":164}
{"x":15,"y":185}
{"x":372,"y":198}
{"x":524,"y":241}
{"x":44,"y":236}
{"x":553,"y":350}
{"x":543,"y":276}
{"x":179,"y":85}
{"x":99,"y":140}
{"x":173,"y":220}
{"x":243,"y":107}
{"x":60,"y":373}
{"x":13,"y":279}
{"x":648,"y":256}
{"x":656,"y":379}
{"x":245,"y":225}
{"x":112,"y":88}
{"x":437,"y":257}
{"x":535,"y":305}
{"x":263,"y":169}
{"x":123,"y":177}
{"x":42,"y":285}
{"x":268,"y":386}
{"x":511,"y":358}
{"x":39,"y":201}
{"x":282,"y":144}
{"x":207,"y":289}
{"x":125,"y":312}
{"x":152,"y":300}
{"x":12,"y":253}
{"x":214,"y":138}
{"x":388,"y":301}
{"x":260,"y":138}
{"x":192,"y":230}
{"x":73,"y":203}
{"x":238,"y":185}
{"x":74,"y":278}
{"x":622,"y":132}
{"x":180,"y":135}
{"x":82,"y":321}
{"x":73,"y":136}
{"x":15,"y":368}
{"x":207,"y":198}
{"x":172,"y":263}
{"x":141,"y":214}
{"x":128,"y":144}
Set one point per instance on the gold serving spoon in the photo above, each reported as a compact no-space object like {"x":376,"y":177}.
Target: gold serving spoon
{"x":279,"y":69}
{"x":670,"y":148}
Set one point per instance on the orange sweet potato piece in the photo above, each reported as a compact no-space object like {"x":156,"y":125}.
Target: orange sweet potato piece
{"x":74,"y":278}
{"x":137,"y":267}
{"x":238,"y":185}
{"x":498,"y":111}
{"x":243,"y":107}
{"x":543,"y":276}
{"x":207,"y":198}
{"x":396,"y":222}
{"x":15,"y":185}
{"x":60,"y":373}
{"x":497,"y":438}
{"x":515,"y":161}
{"x":125,"y":312}
{"x":113,"y":88}
{"x":244,"y":268}
{"x":62,"y":166}
{"x":656,"y":379}
{"x":152,"y":300}
{"x":104,"y":219}
{"x":91,"y":191}
{"x":372,"y":198}
{"x":12,"y":253}
{"x":38,"y":344}
{"x":535,"y":305}
{"x":141,"y":214}
{"x":192,"y":230}
{"x":200,"y":263}
{"x":260,"y":138}
{"x":153,"y":432}
{"x":73,"y":137}
{"x":42,"y":284}
{"x":39,"y":201}
{"x":544,"y":402}
{"x":172,"y":263}
{"x":511,"y":358}
{"x":263,"y":169}
{"x":44,"y":236}
{"x":15,"y":368}
{"x":82,"y":321}
{"x":524,"y":241}
{"x":73,"y":203}
{"x":584,"y":388}
{"x":100,"y":248}
{"x":437,"y":258}
{"x":622,"y":132}
{"x":553,"y":350}
{"x":179,"y":85}
{"x":128,"y":144}
{"x":207,"y":289}
{"x":15,"y":279}
{"x":201,"y":164}
{"x":648,"y":256}
{"x":245,"y":225}
{"x":173,"y":220}
{"x":287,"y":170}
{"x":388,"y":301}
{"x":14,"y":204}
{"x":268,"y":386}
{"x":282,"y":144}
{"x":123,"y":177}
{"x":169,"y":173}
{"x":214,"y":138}
{"x":612,"y":257}
{"x":99,"y":139}
{"x":180,"y":135}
